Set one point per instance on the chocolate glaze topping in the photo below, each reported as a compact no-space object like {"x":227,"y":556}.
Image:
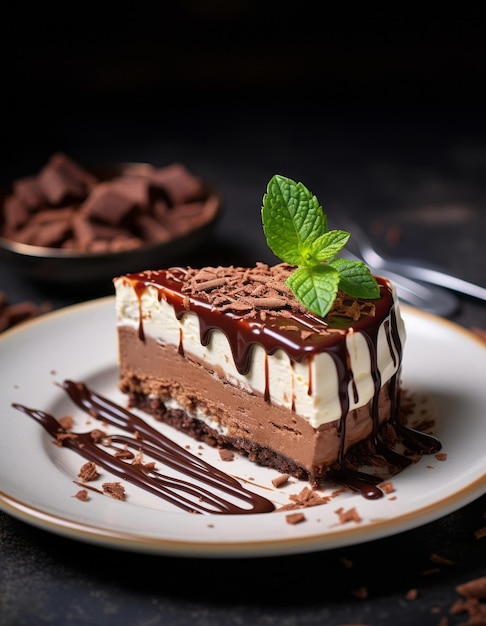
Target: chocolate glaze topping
{"x":184,"y":494}
{"x":272,"y":321}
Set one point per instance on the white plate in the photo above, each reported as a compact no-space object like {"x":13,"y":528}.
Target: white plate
{"x":442,"y":361}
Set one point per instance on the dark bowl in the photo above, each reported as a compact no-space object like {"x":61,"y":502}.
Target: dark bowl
{"x":68,"y":267}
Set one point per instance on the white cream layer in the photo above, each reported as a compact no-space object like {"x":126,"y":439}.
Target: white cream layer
{"x":287,"y":385}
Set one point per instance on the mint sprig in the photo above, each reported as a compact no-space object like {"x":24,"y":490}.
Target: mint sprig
{"x":296,"y":230}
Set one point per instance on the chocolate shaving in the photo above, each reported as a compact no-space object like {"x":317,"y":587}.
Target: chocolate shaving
{"x":351,"y":515}
{"x":440,"y":560}
{"x":88,"y":472}
{"x":260,"y":291}
{"x":475,"y":588}
{"x":66,"y":421}
{"x":387,"y":487}
{"x":295,"y":518}
{"x":476,"y":611}
{"x":66,"y":206}
{"x":306,"y":498}
{"x":412,"y":594}
{"x":115,"y":490}
{"x":281,"y":480}
{"x":226,"y":455}
{"x":82,"y":495}
{"x":13,"y":314}
{"x":481,"y":533}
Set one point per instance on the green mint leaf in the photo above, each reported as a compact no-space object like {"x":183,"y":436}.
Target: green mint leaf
{"x":296,"y":230}
{"x":328,"y":245}
{"x":292,"y":219}
{"x":315,"y":287}
{"x":356,"y":279}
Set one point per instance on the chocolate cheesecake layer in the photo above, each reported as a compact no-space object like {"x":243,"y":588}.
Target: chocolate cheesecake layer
{"x":191,"y":396}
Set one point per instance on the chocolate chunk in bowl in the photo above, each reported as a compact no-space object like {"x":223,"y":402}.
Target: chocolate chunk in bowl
{"x":70,"y":225}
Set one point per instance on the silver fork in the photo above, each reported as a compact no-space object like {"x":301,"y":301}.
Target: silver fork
{"x":360,"y":244}
{"x":425,"y":297}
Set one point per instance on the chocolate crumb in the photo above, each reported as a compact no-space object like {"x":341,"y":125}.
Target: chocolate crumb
{"x":138,"y":458}
{"x":475,"y":588}
{"x":82,"y":495}
{"x":86,"y":487}
{"x":475,"y":610}
{"x":306,"y":498}
{"x":479,"y":534}
{"x":440,"y":560}
{"x":226,"y":455}
{"x":431,"y":571}
{"x":62,"y":436}
{"x":13,"y":314}
{"x":295,"y":518}
{"x":67,"y":422}
{"x":88,"y":472}
{"x":351,"y":515}
{"x":387,"y":487}
{"x":281,"y":480}
{"x":115,"y":490}
{"x":361,"y":593}
{"x":98,"y":435}
{"x":124,"y":454}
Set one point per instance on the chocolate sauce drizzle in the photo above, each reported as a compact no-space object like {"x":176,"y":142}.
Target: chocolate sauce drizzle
{"x":309,"y":334}
{"x":151,"y":442}
{"x":413,"y":439}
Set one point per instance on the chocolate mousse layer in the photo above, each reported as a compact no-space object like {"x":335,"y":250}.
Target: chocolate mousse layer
{"x":209,"y":408}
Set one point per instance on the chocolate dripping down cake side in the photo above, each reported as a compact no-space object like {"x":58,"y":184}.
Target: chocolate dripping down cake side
{"x":292,"y":364}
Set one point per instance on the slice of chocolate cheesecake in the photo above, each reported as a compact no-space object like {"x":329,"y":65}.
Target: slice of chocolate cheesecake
{"x":229,"y":356}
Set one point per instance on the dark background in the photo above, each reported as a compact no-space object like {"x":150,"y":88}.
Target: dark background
{"x":379,"y":111}
{"x":184,"y":68}
{"x":375,"y":109}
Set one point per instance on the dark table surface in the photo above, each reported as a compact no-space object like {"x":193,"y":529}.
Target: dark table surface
{"x":414,"y":172}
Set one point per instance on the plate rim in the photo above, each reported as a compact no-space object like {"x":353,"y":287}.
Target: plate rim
{"x":311,"y":542}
